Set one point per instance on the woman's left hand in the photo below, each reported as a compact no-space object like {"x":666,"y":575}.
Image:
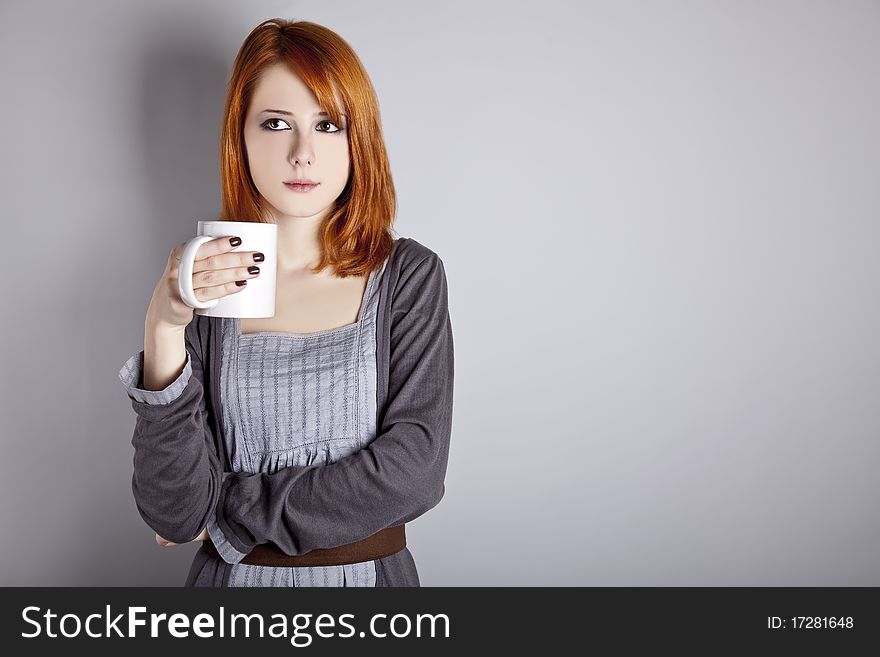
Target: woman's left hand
{"x":201,"y":537}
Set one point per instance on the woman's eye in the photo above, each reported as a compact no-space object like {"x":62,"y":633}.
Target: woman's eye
{"x":329,"y":123}
{"x":265,"y":125}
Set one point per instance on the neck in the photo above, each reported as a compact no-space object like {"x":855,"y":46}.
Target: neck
{"x":298,"y":246}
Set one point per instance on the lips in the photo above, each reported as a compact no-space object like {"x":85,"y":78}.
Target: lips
{"x":297,"y":186}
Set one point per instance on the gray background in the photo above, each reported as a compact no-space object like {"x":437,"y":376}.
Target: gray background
{"x":660,"y":224}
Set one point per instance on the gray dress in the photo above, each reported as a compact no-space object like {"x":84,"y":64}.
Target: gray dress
{"x":298,"y":399}
{"x":307,"y":441}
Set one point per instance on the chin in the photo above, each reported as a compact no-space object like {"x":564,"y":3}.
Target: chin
{"x":301,"y":211}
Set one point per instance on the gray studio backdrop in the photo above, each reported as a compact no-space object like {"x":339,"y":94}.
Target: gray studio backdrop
{"x":660,"y":224}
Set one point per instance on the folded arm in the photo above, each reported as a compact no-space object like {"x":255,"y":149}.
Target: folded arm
{"x":394,"y":479}
{"x":177,"y":474}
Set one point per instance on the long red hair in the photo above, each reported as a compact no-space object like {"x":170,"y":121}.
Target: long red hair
{"x":356,"y":235}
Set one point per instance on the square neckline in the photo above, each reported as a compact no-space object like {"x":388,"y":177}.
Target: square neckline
{"x":302,"y":336}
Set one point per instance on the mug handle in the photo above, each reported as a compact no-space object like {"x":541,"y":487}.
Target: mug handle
{"x":185,"y":273}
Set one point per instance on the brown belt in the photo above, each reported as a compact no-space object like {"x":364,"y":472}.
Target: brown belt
{"x":381,"y":544}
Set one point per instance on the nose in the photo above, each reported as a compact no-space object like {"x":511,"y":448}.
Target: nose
{"x":302,"y":150}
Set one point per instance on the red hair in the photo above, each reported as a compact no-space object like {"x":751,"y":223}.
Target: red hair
{"x":356,"y":235}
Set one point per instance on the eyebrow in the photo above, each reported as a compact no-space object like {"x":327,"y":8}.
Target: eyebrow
{"x":277,"y":111}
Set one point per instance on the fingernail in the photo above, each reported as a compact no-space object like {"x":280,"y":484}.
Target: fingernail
{"x":259,"y":257}
{"x":253,"y":269}
{"x":235,"y":241}
{"x":240,"y":283}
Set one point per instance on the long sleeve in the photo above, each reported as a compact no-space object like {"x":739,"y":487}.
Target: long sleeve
{"x":177,"y":474}
{"x":398,"y":476}
{"x":132,"y":373}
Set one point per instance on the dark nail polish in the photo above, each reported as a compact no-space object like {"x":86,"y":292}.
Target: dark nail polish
{"x":259,"y":257}
{"x":253,"y":270}
{"x":240,"y":283}
{"x":235,"y":241}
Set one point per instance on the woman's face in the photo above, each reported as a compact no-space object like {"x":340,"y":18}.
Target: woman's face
{"x":293,"y":141}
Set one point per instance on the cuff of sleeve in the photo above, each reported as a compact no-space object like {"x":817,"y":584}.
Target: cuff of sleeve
{"x":224,"y":530}
{"x":131,"y":376}
{"x":226,"y":550}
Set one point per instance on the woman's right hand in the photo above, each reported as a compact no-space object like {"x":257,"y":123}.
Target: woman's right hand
{"x":215,"y":272}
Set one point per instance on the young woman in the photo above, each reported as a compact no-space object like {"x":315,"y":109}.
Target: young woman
{"x":297,"y":447}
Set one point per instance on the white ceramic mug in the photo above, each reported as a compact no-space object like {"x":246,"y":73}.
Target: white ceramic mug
{"x":257,"y":299}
